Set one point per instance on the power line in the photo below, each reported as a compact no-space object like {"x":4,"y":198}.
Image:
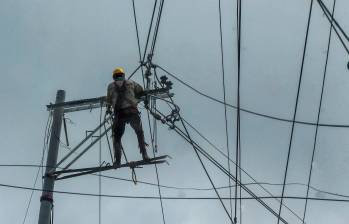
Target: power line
{"x":171,"y":198}
{"x":148,"y":116}
{"x":295,"y":108}
{"x":188,"y":138}
{"x":329,"y":18}
{"x":319,"y":112}
{"x":224,"y":101}
{"x":323,"y":8}
{"x":333,"y":20}
{"x":46,"y":136}
{"x":198,"y":149}
{"x":137,"y":32}
{"x":151,"y":131}
{"x":238,"y":136}
{"x":157,"y":28}
{"x":250,"y":111}
{"x":154,"y":141}
{"x":149,"y":31}
{"x":193,"y":188}
{"x":240,"y":168}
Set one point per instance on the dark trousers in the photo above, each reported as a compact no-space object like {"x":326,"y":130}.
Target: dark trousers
{"x":120,"y":120}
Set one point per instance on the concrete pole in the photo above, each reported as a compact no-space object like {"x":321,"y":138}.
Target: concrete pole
{"x":47,"y":195}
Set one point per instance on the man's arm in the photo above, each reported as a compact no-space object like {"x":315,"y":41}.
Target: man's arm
{"x":109,"y":99}
{"x":138,"y":90}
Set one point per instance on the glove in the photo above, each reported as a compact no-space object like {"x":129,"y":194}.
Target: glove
{"x":108,"y":111}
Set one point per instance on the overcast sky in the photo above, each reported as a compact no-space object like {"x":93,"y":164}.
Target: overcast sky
{"x":74,"y":45}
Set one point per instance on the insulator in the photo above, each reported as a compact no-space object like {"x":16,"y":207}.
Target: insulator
{"x":163,"y":79}
{"x":169,"y":84}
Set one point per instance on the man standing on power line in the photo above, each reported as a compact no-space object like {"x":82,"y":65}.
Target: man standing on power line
{"x":122,"y":98}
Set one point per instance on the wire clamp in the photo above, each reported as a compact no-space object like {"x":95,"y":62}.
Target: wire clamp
{"x":173,"y":118}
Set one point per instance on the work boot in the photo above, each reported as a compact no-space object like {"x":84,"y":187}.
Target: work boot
{"x":117,"y":154}
{"x":117,"y":162}
{"x":145,"y":155}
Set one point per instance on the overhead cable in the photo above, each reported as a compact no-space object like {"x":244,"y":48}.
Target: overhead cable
{"x":250,"y":111}
{"x":295,"y":109}
{"x":329,"y":18}
{"x":315,"y":189}
{"x":40,"y":168}
{"x":225,"y":104}
{"x":319,"y":112}
{"x":168,"y":198}
{"x":238,"y":120}
{"x":157,"y":25}
{"x":149,"y":31}
{"x":333,"y":20}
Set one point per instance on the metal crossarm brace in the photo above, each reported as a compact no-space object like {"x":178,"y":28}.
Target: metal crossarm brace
{"x":90,"y":170}
{"x":88,"y":147}
{"x":77,"y":105}
{"x":83,"y":141}
{"x":92,"y":103}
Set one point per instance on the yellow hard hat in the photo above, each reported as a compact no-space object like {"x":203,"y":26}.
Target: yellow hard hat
{"x":118,"y":71}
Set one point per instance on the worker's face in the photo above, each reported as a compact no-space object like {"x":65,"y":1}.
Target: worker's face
{"x":119,"y":77}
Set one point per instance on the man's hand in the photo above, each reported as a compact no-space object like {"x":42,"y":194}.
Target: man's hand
{"x":108,"y":111}
{"x":139,"y":94}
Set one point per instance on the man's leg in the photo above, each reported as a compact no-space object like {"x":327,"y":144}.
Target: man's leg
{"x":136,"y":124}
{"x":118,"y":131}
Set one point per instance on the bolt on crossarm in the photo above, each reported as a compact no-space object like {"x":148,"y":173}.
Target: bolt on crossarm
{"x":48,"y":187}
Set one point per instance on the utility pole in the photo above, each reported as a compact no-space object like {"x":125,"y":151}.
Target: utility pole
{"x":48,"y":187}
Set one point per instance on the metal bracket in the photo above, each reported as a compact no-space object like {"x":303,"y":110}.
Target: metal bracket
{"x":84,"y":171}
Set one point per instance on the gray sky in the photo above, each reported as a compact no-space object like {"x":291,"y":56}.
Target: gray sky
{"x":74,"y":45}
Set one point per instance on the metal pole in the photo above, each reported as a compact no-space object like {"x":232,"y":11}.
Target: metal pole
{"x":47,"y":195}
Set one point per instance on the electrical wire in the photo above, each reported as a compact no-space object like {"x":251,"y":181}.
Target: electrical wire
{"x":192,"y":143}
{"x":157,"y":28}
{"x":240,"y":168}
{"x":224,"y":101}
{"x":40,"y":168}
{"x":186,"y":136}
{"x":250,"y":111}
{"x":138,"y":39}
{"x":333,"y":20}
{"x":170,"y":198}
{"x":329,"y":16}
{"x":295,"y":108}
{"x":199,"y":149}
{"x":238,"y":120}
{"x":134,"y":72}
{"x":152,"y":139}
{"x":238,"y":108}
{"x":319,"y":112}
{"x":137,"y":32}
{"x":315,"y":189}
{"x":149,"y":31}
